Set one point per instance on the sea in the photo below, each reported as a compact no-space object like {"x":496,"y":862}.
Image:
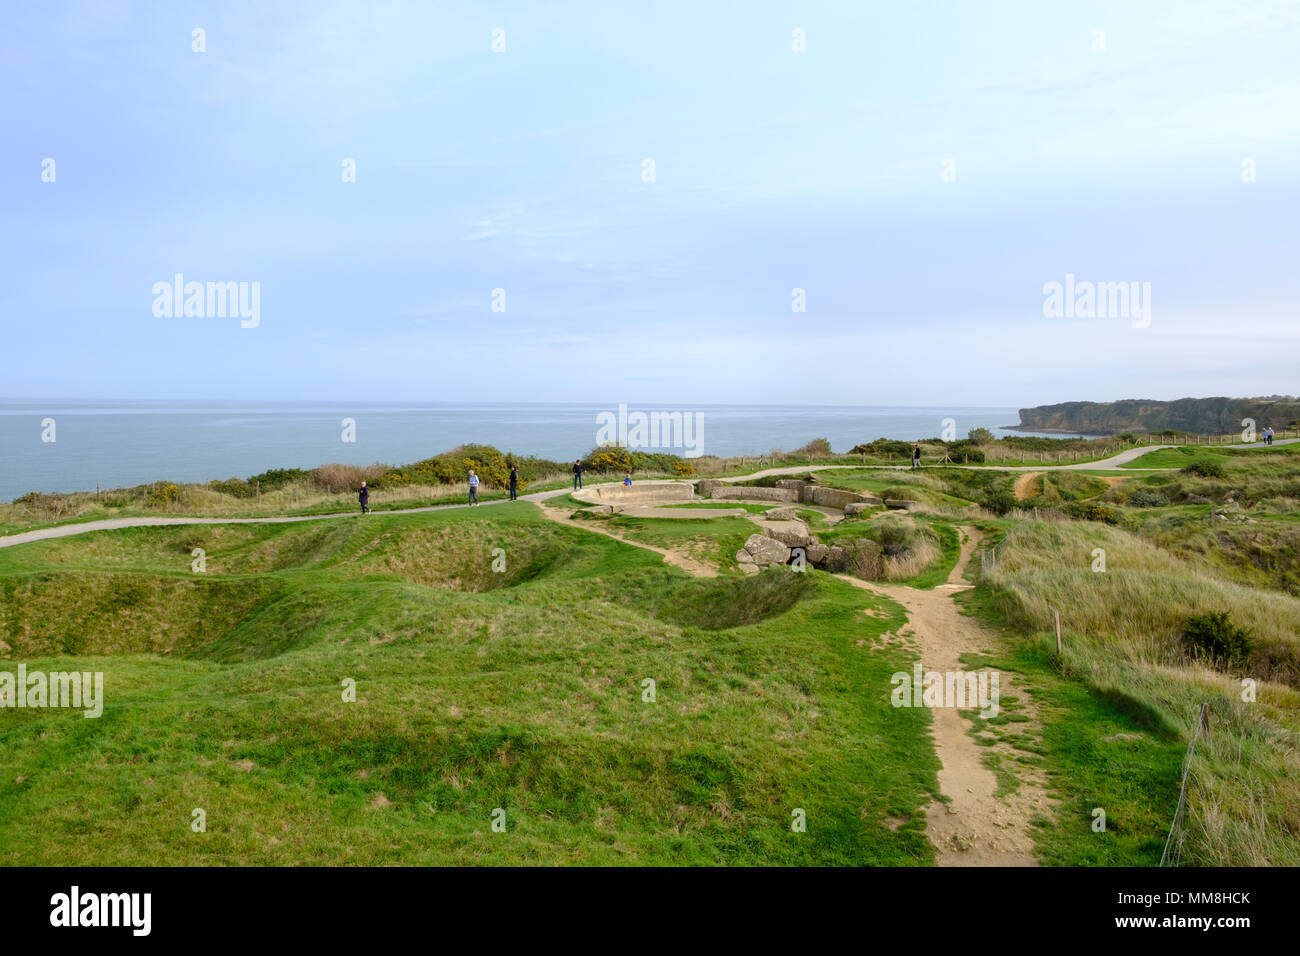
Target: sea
{"x":64,"y":446}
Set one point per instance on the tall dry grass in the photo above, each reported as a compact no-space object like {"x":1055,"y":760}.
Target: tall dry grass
{"x":1121,"y":636}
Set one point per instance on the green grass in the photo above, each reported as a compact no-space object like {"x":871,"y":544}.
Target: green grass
{"x":1121,"y":638}
{"x":1099,"y":751}
{"x":1180,"y":455}
{"x":520,"y":690}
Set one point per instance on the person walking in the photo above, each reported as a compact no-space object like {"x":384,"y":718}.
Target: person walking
{"x":473,"y":487}
{"x":916,"y":455}
{"x":577,"y":474}
{"x":364,"y":497}
{"x":514,"y":482}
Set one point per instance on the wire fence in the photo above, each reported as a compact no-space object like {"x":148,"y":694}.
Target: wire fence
{"x":1174,"y":842}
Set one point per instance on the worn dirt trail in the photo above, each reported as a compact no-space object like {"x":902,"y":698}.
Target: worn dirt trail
{"x":1024,"y":486}
{"x":688,"y":564}
{"x":976,"y":827}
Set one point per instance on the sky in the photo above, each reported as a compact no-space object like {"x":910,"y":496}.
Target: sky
{"x":921,"y":171}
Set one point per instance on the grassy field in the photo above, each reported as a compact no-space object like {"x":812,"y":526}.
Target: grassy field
{"x":1180,"y":455}
{"x":475,"y":690}
{"x":521,"y":689}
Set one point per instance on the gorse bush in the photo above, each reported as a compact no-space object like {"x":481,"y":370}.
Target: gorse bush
{"x":451,"y":467}
{"x":617,"y":459}
{"x":606,"y":459}
{"x":1214,"y":638}
{"x":1091,"y":511}
{"x":164,"y":493}
{"x":883,"y":447}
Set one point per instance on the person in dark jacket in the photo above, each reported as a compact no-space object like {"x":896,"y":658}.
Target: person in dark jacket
{"x":364,"y":498}
{"x":577,"y":474}
{"x":916,"y":456}
{"x":514,"y":482}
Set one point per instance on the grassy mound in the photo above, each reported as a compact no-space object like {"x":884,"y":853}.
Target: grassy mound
{"x":771,"y":695}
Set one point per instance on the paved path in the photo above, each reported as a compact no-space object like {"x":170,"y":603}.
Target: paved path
{"x":108,"y":524}
{"x":1114,"y":461}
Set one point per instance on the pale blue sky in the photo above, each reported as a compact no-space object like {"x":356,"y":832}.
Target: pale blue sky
{"x":522,"y":170}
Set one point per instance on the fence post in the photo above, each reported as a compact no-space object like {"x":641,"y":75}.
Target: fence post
{"x":1205,"y":718}
{"x":1057,"y":615}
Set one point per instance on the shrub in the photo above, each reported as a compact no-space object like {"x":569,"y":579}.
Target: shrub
{"x":979,"y":436}
{"x":1091,"y":511}
{"x":965,"y":451}
{"x":164,"y":493}
{"x":451,"y":467}
{"x":998,"y":500}
{"x":882,"y":447}
{"x":817,"y":448}
{"x":866,"y":559}
{"x":1205,"y":468}
{"x":659,"y":462}
{"x":338,"y":479}
{"x":1147,"y":498}
{"x":900,"y":493}
{"x":609,"y":458}
{"x":55,"y":505}
{"x":236,"y":487}
{"x":890,"y":549}
{"x":1217,"y":640}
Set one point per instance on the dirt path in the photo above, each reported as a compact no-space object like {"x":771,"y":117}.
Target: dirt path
{"x":976,"y":826}
{"x":678,"y":560}
{"x":1023,"y":488}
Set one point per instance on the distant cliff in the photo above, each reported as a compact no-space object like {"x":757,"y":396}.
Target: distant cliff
{"x":1218,"y":416}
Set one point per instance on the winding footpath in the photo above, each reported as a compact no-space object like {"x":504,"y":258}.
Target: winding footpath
{"x":973,"y":824}
{"x":108,"y":524}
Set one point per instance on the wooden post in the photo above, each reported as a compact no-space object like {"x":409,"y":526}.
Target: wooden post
{"x":1057,"y":616}
{"x":1205,"y":718}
